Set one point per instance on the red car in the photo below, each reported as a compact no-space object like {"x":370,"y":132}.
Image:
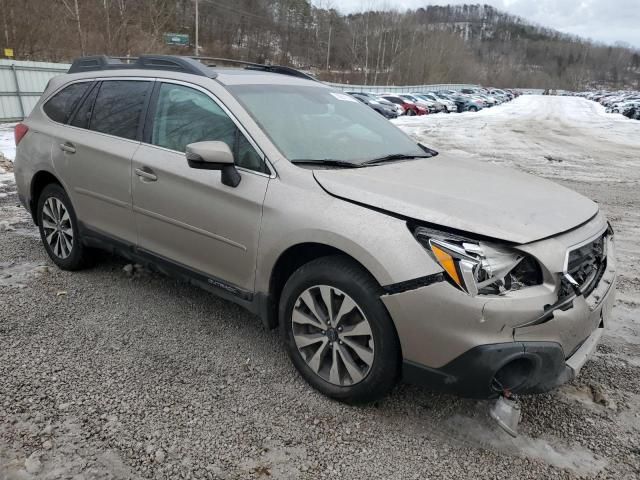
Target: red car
{"x":410,"y":108}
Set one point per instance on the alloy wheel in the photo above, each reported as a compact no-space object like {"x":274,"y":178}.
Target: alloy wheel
{"x":333,"y":335}
{"x":58,"y":231}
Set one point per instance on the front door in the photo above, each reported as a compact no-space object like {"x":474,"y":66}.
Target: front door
{"x":187,"y":215}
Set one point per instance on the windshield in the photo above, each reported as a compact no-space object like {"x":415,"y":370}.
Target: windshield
{"x":317,"y":123}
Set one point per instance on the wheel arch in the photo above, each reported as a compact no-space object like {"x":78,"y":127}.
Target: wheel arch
{"x":39,"y":181}
{"x":288,"y":262}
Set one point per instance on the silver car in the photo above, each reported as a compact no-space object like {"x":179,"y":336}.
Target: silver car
{"x":377,"y":257}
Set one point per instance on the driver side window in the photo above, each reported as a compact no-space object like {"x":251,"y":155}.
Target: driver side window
{"x":185,"y":115}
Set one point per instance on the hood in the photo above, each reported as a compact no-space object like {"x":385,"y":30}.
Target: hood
{"x":467,"y":195}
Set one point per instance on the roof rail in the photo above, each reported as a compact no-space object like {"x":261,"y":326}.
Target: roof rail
{"x":258,"y":66}
{"x":174,"y":63}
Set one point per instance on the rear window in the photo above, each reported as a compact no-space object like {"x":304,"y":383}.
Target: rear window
{"x":60,"y":107}
{"x":118,"y":108}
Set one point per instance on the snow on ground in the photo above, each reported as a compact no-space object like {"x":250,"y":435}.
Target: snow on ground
{"x":7,"y":144}
{"x":556,"y":137}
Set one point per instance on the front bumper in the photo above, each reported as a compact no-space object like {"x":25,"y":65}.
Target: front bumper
{"x":457,"y":343}
{"x":532,"y":367}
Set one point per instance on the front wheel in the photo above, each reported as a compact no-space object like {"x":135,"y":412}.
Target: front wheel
{"x":473,"y":109}
{"x":59,"y":228}
{"x":337,"y":332}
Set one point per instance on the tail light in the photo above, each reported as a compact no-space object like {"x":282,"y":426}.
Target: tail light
{"x":19,"y":132}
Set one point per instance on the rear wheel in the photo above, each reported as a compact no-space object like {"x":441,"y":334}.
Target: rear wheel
{"x":59,"y":228}
{"x":337,"y":332}
{"x":473,"y":109}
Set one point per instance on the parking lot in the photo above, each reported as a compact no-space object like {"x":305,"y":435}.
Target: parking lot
{"x":117,"y":373}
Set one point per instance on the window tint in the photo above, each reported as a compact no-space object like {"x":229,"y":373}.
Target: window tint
{"x":83,"y":115}
{"x":63,"y":103}
{"x":118,"y":107}
{"x":184,"y":115}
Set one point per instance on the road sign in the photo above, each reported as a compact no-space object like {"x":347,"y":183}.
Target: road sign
{"x":8,"y":52}
{"x":176,"y":39}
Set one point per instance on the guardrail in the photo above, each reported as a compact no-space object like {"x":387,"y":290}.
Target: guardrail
{"x":21,"y":84}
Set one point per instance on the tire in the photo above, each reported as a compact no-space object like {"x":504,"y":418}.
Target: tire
{"x":59,"y":231}
{"x":411,"y":113}
{"x":473,"y":109}
{"x":352,"y":356}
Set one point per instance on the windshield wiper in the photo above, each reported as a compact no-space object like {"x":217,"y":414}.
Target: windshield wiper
{"x":327,"y":161}
{"x":392,"y":157}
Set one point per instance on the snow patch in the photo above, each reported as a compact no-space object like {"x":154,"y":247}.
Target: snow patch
{"x":18,"y":274}
{"x":576,"y":459}
{"x":561,"y":138}
{"x":7,"y":143}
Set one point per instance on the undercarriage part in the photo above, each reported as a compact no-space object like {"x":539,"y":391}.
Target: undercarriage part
{"x":506,"y":412}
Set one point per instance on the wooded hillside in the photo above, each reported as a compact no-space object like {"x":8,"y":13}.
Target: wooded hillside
{"x":469,"y":43}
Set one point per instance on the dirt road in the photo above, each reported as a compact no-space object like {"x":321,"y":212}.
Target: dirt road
{"x":106,"y":374}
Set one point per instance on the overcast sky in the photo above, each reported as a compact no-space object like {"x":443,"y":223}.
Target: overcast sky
{"x":607,"y":21}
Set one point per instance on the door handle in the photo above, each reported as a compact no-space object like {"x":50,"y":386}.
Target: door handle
{"x":67,"y":147}
{"x":146,"y":174}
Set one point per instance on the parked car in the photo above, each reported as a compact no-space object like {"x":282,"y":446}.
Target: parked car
{"x":624,"y":102}
{"x":435,"y":106}
{"x":466,"y":103}
{"x":501,"y":95}
{"x":469,"y":91}
{"x":408,"y":106}
{"x":632,"y":111}
{"x":447,"y":105}
{"x":427,"y":104}
{"x":446,"y":97}
{"x":386,"y":109}
{"x":489,"y":100}
{"x":376,"y":257}
{"x":374,"y":96}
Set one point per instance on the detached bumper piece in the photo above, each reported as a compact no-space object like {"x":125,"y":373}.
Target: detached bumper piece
{"x":487,"y":371}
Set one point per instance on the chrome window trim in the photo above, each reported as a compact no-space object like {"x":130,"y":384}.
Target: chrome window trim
{"x":122,"y":139}
{"x":272,"y":171}
{"x":565,"y":268}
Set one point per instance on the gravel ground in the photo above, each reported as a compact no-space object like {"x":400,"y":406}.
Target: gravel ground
{"x":116,"y":374}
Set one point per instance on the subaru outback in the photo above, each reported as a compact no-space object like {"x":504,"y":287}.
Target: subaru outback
{"x":377,"y":258}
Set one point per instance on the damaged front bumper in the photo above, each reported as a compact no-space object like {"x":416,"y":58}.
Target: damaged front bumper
{"x":477,"y":347}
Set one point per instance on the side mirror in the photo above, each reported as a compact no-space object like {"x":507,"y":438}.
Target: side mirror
{"x":214,"y":156}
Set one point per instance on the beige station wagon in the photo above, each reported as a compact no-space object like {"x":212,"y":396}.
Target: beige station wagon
{"x":377,"y":257}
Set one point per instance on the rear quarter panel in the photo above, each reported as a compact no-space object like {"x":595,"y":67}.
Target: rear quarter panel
{"x":33,"y":154}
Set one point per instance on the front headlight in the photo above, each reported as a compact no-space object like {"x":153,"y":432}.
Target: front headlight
{"x":478,"y":267}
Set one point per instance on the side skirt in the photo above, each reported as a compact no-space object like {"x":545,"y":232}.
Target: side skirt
{"x":158,"y":263}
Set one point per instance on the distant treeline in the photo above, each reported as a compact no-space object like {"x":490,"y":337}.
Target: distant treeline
{"x":436,"y":44}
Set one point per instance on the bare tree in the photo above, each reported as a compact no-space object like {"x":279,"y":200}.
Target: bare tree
{"x":73,"y":9}
{"x":434,"y":44}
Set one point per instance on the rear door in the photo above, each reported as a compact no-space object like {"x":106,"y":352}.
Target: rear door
{"x":189,"y":216}
{"x":93,"y":154}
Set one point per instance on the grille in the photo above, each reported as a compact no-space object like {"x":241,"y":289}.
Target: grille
{"x":587,"y":263}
